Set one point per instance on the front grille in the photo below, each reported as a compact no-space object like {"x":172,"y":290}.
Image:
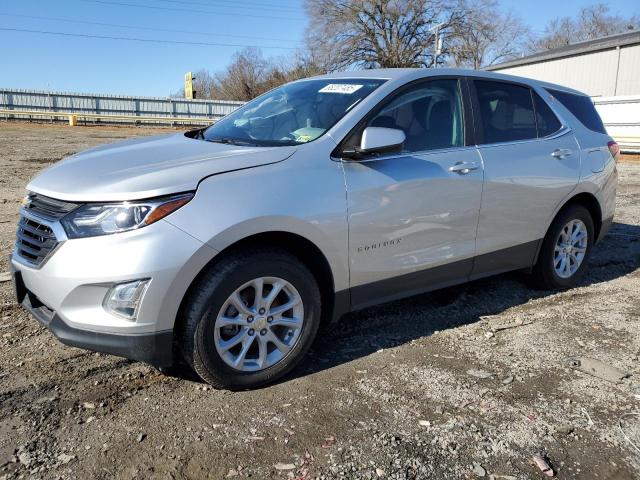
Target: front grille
{"x":34,"y":241}
{"x":49,"y":208}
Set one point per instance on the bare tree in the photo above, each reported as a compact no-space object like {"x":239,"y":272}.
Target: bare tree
{"x":379,"y":33}
{"x":203,"y":83}
{"x":487,"y":36}
{"x":250,"y":74}
{"x":243,"y":78}
{"x":592,"y":22}
{"x":400,"y":33}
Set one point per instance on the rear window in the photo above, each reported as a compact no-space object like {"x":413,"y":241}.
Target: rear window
{"x":582,"y":108}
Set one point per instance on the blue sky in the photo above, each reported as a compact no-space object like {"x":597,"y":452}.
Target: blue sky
{"x":51,"y":62}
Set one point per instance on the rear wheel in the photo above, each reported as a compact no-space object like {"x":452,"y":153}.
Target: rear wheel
{"x":250,"y":319}
{"x":565,"y":250}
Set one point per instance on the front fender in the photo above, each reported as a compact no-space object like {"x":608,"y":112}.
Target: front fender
{"x":303,"y":197}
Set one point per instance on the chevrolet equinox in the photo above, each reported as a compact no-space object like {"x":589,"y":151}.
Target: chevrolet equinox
{"x":226,"y":248}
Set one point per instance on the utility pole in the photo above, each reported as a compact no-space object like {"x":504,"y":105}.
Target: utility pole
{"x":437,"y":43}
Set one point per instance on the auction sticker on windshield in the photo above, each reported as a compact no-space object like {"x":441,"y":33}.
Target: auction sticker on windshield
{"x":347,"y":88}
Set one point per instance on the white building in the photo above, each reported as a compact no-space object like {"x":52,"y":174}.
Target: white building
{"x":607,"y":69}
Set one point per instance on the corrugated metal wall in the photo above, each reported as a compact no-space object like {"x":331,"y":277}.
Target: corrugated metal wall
{"x":629,"y":73}
{"x":33,"y":100}
{"x":604,"y":73}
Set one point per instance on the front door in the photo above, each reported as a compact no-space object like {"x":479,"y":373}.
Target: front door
{"x":413,"y":216}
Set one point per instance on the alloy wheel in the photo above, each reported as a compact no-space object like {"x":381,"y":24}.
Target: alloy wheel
{"x":259,"y":324}
{"x":570,"y":248}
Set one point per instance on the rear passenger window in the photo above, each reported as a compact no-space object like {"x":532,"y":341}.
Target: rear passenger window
{"x":547,"y":121}
{"x":506,"y":112}
{"x":582,"y":108}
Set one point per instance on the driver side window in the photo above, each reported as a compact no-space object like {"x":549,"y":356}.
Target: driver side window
{"x":429,"y":113}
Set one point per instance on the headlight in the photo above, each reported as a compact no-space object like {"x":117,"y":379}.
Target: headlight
{"x":95,"y":219}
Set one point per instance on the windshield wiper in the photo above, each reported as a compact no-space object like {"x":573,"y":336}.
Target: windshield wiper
{"x":231,"y":141}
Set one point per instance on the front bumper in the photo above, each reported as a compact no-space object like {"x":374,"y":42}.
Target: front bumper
{"x":67,"y":291}
{"x":155,"y":348}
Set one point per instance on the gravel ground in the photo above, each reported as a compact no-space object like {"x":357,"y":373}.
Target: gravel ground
{"x":469,"y":382}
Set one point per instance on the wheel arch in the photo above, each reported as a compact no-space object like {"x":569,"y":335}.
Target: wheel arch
{"x":585,"y":199}
{"x":591,"y":203}
{"x":307,"y":252}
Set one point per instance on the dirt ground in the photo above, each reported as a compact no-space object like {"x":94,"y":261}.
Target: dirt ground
{"x":466,"y":383}
{"x":630,"y":157}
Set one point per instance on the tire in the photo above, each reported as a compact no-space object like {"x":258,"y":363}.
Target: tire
{"x":545,"y":274}
{"x":213,"y":292}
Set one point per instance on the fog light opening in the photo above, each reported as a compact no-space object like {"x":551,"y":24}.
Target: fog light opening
{"x":124,"y":299}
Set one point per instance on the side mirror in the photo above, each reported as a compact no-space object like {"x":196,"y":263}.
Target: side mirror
{"x":378,"y":140}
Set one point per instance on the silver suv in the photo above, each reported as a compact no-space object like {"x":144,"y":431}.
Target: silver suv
{"x":227,"y":248}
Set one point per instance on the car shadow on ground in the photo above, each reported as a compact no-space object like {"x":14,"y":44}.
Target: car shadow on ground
{"x":364,"y":332}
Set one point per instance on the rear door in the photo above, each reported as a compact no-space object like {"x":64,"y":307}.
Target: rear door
{"x":413,"y":215}
{"x":531,"y":162}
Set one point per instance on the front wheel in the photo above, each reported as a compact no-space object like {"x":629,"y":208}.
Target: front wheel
{"x":250,"y":319}
{"x":565,"y":250}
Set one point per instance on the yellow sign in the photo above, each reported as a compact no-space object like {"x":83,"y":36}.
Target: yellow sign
{"x":189,"y":92}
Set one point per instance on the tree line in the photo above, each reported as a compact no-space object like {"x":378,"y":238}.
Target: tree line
{"x":352,"y":34}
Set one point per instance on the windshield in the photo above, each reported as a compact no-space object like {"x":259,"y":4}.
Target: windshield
{"x":293,"y":114}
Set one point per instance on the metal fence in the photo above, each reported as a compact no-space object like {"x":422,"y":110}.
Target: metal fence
{"x":99,"y":108}
{"x":620,"y":114}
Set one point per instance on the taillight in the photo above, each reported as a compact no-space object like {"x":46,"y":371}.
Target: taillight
{"x":614,"y":148}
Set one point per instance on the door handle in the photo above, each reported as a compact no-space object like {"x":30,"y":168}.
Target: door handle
{"x":464,"y":167}
{"x":561,"y":153}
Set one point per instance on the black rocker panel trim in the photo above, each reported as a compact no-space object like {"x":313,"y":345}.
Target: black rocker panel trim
{"x":415,"y":283}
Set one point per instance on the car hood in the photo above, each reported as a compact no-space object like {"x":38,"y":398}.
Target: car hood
{"x":147,"y":167}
